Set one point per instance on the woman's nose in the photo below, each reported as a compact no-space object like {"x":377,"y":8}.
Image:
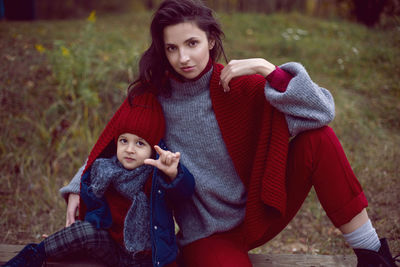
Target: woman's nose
{"x":183,"y":56}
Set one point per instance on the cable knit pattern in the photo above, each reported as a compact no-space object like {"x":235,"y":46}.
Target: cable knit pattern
{"x":255,"y":134}
{"x":305,"y":104}
{"x":129,"y":183}
{"x":218,"y":204}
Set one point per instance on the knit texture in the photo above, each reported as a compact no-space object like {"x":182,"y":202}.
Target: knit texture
{"x":218,"y":204}
{"x":305,"y":104}
{"x":256,"y":136}
{"x":144,"y":118}
{"x":364,"y":237}
{"x":249,"y":138}
{"x":149,"y":113}
{"x":128,"y":183}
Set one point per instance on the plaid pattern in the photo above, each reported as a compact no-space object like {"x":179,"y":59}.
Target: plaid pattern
{"x":83,"y":238}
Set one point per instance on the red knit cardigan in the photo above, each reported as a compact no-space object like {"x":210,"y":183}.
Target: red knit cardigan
{"x":257,"y":138}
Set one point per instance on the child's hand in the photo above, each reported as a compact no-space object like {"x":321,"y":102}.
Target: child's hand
{"x":167,"y":162}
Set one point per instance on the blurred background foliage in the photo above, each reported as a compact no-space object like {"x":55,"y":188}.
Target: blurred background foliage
{"x":368,"y":12}
{"x":64,"y":74}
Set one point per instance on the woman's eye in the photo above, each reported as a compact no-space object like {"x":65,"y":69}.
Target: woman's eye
{"x":170,"y":48}
{"x":193,"y":43}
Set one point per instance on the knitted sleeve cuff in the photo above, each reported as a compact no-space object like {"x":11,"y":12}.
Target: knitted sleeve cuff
{"x":279,"y":79}
{"x":74,"y":186}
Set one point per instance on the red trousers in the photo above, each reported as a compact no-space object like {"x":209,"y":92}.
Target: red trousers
{"x":316,"y":158}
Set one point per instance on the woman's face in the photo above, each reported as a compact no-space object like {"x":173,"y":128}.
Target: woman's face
{"x":187,"y":48}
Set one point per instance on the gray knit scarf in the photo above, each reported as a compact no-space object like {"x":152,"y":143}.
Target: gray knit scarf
{"x":129,"y":183}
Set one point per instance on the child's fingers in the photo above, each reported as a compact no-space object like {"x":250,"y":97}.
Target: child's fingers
{"x":151,"y":162}
{"x":158,"y":149}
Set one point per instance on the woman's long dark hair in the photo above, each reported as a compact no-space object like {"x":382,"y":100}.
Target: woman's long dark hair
{"x":154,"y":64}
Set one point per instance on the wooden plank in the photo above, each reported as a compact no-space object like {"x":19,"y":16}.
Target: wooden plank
{"x":290,"y":260}
{"x":258,"y":260}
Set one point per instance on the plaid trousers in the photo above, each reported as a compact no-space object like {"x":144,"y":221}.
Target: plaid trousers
{"x":84,"y":238}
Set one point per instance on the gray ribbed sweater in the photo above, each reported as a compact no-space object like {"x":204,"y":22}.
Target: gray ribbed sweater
{"x":219,"y":201}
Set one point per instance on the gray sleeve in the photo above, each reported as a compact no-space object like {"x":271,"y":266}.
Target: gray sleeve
{"x":74,"y":186}
{"x":305,"y":105}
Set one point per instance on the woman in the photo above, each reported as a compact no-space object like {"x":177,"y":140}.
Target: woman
{"x":232,"y":125}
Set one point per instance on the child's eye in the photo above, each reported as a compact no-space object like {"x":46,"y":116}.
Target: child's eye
{"x":123,"y":141}
{"x":140,"y":143}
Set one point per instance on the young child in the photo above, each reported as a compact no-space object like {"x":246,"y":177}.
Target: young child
{"x":119,"y":225}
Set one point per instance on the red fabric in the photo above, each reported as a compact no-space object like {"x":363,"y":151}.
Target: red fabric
{"x":258,"y":146}
{"x":149,"y":119}
{"x":279,"y":79}
{"x":315,"y":158}
{"x":257,"y":138}
{"x":119,"y":207}
{"x":146,"y":114}
{"x":226,"y":249}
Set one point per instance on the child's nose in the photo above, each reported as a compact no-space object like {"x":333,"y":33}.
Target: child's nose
{"x":131,"y":148}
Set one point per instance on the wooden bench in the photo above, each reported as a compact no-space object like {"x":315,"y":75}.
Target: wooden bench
{"x":258,"y":260}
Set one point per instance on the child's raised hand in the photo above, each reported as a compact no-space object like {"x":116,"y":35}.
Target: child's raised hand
{"x":167,"y":162}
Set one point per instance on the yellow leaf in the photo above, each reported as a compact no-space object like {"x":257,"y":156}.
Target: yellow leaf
{"x":40,"y":48}
{"x":92,"y":16}
{"x":65,"y":51}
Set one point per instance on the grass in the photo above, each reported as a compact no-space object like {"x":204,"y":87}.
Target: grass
{"x":60,"y":81}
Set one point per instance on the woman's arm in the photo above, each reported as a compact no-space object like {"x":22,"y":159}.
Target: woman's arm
{"x":305,"y":104}
{"x":74,"y":186}
{"x":71,"y":194}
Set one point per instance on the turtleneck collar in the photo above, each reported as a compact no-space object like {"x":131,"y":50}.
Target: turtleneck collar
{"x":177,"y":77}
{"x":193,"y":87}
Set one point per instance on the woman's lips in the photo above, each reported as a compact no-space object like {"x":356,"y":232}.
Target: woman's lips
{"x":187,"y":69}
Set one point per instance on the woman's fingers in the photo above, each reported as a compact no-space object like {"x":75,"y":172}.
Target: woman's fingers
{"x":236,"y":68}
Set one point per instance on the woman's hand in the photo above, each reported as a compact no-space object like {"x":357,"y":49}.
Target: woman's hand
{"x":167,"y":162}
{"x":73,"y":204}
{"x":236,"y":68}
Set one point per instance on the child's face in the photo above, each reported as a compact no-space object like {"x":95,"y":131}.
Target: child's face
{"x":132,"y":150}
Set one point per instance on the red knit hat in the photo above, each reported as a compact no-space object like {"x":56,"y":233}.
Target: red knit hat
{"x":143,"y":118}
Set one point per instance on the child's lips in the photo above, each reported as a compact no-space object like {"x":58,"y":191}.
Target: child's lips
{"x":129,"y":159}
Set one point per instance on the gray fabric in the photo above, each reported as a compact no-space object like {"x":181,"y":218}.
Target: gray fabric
{"x":84,"y":239}
{"x":364,"y":237}
{"x":219,"y":200}
{"x":129,"y":183}
{"x":305,"y":104}
{"x":74,"y":187}
{"x":218,"y":203}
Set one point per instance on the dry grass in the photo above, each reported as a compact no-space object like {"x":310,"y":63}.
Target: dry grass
{"x":49,"y":120}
